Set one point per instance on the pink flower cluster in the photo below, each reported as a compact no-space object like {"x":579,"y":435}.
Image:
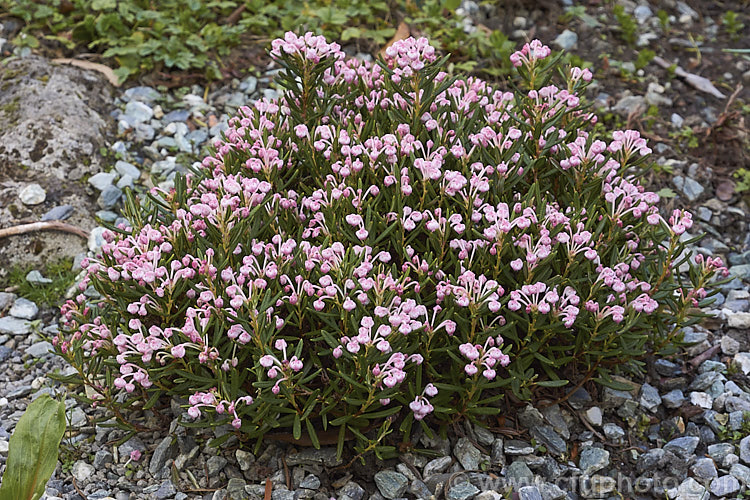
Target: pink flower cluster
{"x":378,"y":236}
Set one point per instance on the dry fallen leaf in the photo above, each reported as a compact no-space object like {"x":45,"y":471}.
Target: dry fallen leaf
{"x":402,"y":33}
{"x":725,"y":190}
{"x":105,"y":70}
{"x":699,"y":82}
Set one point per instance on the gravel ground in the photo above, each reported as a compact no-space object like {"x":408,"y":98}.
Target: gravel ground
{"x":682,"y":430}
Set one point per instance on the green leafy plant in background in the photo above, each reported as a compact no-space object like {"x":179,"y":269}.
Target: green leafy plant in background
{"x":140,"y":35}
{"x":33,"y":451}
{"x":628,"y":26}
{"x":732,"y":24}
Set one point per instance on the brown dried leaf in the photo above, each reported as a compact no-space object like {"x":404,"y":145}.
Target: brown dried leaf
{"x":105,"y":70}
{"x":725,"y":190}
{"x":402,"y":33}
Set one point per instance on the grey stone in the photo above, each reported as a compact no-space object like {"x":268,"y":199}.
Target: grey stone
{"x":32,"y":194}
{"x":667,"y":368}
{"x":129,"y":446}
{"x":125,"y":182}
{"x":579,"y":398}
{"x":14,"y":326}
{"x":729,"y":346}
{"x":631,"y":105}
{"x":593,"y":460}
{"x":650,"y":460}
{"x":614,"y":433}
{"x":734,"y":403}
{"x":484,"y":436}
{"x":236,"y":488}
{"x":566,"y":40}
{"x":436,"y":466}
{"x":519,"y":473}
{"x":96,"y":239}
{"x":165,"y":450}
{"x":35,"y":278}
{"x":6,"y":300}
{"x":311,"y":456}
{"x":650,"y":398}
{"x":462,"y":491}
{"x":103,"y":179}
{"x":724,"y":486}
{"x":60,"y":212}
{"x":82,"y":471}
{"x":467,"y":454}
{"x":497,"y":454}
{"x":310,"y":482}
{"x":673,"y":399}
{"x":595,"y":416}
{"x":518,"y":447}
{"x":391,"y":484}
{"x":711,"y":366}
{"x":546,"y":435}
{"x":141,"y":93}
{"x":215,"y":465}
{"x":138,"y":112}
{"x":24,"y":309}
{"x":720,"y":450}
{"x":742,"y":271}
{"x":40,"y":349}
{"x":166,"y":490}
{"x":245,"y":459}
{"x":683,"y":446}
{"x":691,"y":188}
{"x":102,"y":458}
{"x":554,"y":416}
{"x":144,"y":132}
{"x":704,"y":469}
{"x":704,"y":381}
{"x":737,"y":319}
{"x":741,"y":472}
{"x":109,"y":197}
{"x":125,"y":168}
{"x":701,"y":399}
{"x":352,"y":490}
{"x":419,"y":489}
{"x":745,"y":449}
{"x":642,"y":13}
{"x":613,"y":398}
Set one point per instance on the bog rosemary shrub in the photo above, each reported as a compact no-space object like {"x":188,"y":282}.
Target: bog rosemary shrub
{"x":385,"y":244}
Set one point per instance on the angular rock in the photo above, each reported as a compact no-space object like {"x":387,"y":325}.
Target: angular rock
{"x":462,"y":491}
{"x":690,"y":489}
{"x":391,"y":484}
{"x":14,"y":326}
{"x":518,"y":447}
{"x":60,"y":212}
{"x":436,"y":466}
{"x":529,"y":493}
{"x":546,"y":435}
{"x":82,"y":471}
{"x":165,"y":450}
{"x":103,"y":179}
{"x":650,"y":398}
{"x":724,"y":486}
{"x":24,"y":309}
{"x":593,"y":459}
{"x":683,"y":446}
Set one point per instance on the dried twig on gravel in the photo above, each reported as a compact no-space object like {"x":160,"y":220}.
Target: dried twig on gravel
{"x":43,"y":226}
